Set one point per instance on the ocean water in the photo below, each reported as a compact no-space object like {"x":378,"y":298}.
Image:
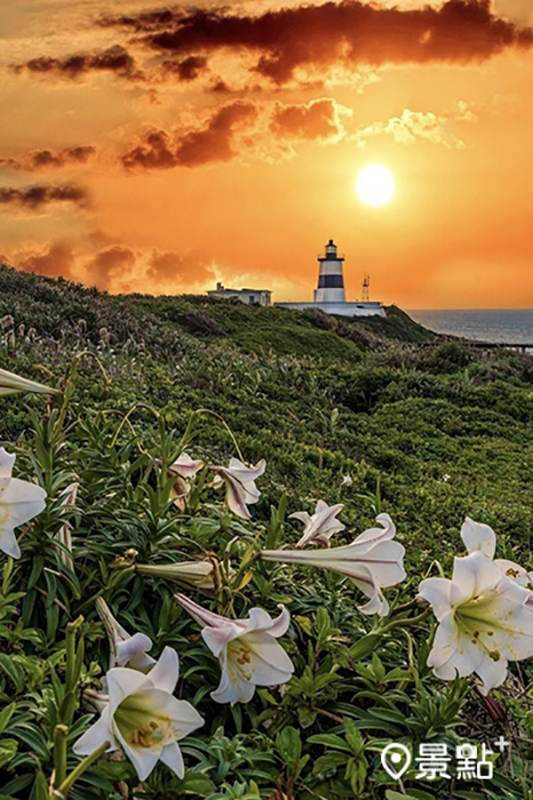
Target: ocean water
{"x":506,"y":326}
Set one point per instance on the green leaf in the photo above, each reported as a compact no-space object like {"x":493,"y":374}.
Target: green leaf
{"x":289,"y":747}
{"x":330,"y":761}
{"x":392,"y":795}
{"x":8,"y":749}
{"x":364,"y":646}
{"x":5,"y":716}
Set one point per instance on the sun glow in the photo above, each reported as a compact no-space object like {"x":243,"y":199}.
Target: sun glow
{"x":375,"y":185}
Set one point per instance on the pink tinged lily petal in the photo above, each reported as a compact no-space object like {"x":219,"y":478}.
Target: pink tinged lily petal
{"x":200,"y":614}
{"x":373,"y":535}
{"x":186,"y":467}
{"x":240,"y":487}
{"x":246,"y":650}
{"x":372,"y":564}
{"x":478,"y":536}
{"x":132,"y":653}
{"x":321,"y":525}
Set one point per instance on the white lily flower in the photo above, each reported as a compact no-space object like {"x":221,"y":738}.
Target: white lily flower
{"x":125,"y":650}
{"x":478,"y":536}
{"x":11,"y":383}
{"x":195,"y":574}
{"x":372,"y":562}
{"x":20,"y":501}
{"x":347,"y":481}
{"x":321,"y":525}
{"x":484,"y":621}
{"x":246,"y":649}
{"x":184,"y":468}
{"x":144,"y":718}
{"x":241,"y":490}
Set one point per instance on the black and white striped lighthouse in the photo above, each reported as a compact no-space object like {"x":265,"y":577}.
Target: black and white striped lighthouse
{"x":330,"y":278}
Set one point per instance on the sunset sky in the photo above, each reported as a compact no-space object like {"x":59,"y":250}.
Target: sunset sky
{"x":162,"y":148}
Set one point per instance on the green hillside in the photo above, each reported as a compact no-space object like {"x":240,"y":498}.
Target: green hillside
{"x":429,"y":430}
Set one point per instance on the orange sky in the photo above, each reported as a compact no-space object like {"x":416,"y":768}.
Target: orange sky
{"x":159,"y":150}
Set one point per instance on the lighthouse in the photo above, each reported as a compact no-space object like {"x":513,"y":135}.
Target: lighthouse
{"x":329,"y":294}
{"x":330,"y":287}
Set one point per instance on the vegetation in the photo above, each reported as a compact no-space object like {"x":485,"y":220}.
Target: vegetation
{"x":430,"y":431}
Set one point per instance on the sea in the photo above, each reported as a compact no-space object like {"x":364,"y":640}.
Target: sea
{"x":509,"y":326}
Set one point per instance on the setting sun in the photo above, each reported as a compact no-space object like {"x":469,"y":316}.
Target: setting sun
{"x":375,"y":185}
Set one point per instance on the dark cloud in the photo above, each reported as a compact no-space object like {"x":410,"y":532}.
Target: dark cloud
{"x":109,"y":264}
{"x":348,"y":32}
{"x":155,"y":152}
{"x":212,"y":142}
{"x":115,"y":59}
{"x":57,"y":260}
{"x":35,"y":197}
{"x":188,"y":69}
{"x":318,"y":119}
{"x":50,"y":158}
{"x":184,"y":269}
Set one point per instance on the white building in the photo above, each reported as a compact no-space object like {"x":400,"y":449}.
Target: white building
{"x":255,"y":297}
{"x":329,"y":294}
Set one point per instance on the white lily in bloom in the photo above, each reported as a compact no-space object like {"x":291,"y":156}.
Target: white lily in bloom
{"x":194,"y":574}
{"x":20,"y":501}
{"x":125,"y":650}
{"x":184,"y":468}
{"x":241,"y":490}
{"x":347,"y":481}
{"x":480,"y":537}
{"x":144,"y":718}
{"x":321,"y":525}
{"x":246,"y":649}
{"x":373,"y":562}
{"x":11,"y":383}
{"x":484,"y":621}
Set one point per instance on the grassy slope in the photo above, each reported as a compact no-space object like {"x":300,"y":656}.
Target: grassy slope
{"x":407,"y":416}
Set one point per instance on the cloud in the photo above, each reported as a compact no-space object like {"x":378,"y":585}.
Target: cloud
{"x":115,"y":59}
{"x":57,"y":260}
{"x":37,"y":196}
{"x":212,"y":142}
{"x":41,"y":159}
{"x":412,"y":126}
{"x":184,"y":269}
{"x":109,"y":264}
{"x":319,"y":119}
{"x":188,"y":69}
{"x":349,"y":33}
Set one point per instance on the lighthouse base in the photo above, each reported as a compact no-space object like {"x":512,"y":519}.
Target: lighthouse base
{"x":362,"y":309}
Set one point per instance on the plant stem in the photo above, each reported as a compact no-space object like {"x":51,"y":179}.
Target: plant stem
{"x":76,"y":773}
{"x":60,"y":753}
